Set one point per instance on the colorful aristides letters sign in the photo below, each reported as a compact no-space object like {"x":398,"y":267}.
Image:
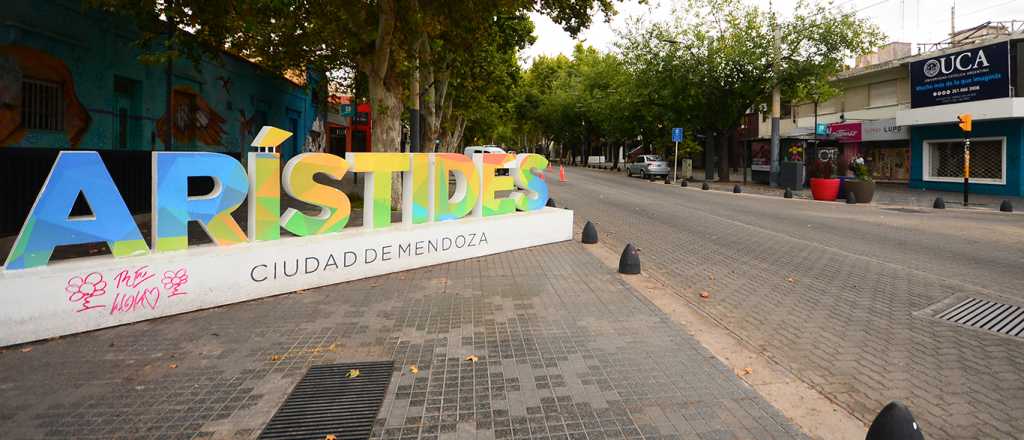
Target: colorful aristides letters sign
{"x":142,"y":281}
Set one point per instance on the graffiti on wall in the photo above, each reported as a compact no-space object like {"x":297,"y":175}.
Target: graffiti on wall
{"x":37,"y":91}
{"x":195,"y":120}
{"x":124,"y":291}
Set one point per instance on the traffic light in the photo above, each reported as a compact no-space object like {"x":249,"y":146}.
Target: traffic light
{"x":965,"y":122}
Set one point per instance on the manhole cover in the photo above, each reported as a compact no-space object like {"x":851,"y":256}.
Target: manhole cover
{"x":987,"y":315}
{"x":328,"y":401}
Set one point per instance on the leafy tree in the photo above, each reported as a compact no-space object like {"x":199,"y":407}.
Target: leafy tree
{"x":387,"y":40}
{"x":714,"y":64}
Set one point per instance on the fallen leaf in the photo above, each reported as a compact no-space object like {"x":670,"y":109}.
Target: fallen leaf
{"x":472,"y":358}
{"x":333,"y":348}
{"x":330,"y":437}
{"x":317,"y":350}
{"x":172,"y":366}
{"x":277,"y":357}
{"x":26,"y":349}
{"x":704,"y":294}
{"x":711,"y":276}
{"x":790,"y":280}
{"x":414,"y":369}
{"x":352,"y":374}
{"x":748,"y":370}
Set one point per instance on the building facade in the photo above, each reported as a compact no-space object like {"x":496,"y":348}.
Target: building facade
{"x":982,"y":79}
{"x":899,"y":112}
{"x":70,"y":77}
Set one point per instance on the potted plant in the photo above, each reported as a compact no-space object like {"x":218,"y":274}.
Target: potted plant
{"x":791,"y":172}
{"x":824,"y":184}
{"x":862,"y":186}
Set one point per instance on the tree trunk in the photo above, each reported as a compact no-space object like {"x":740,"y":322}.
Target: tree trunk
{"x":386,"y":129}
{"x":709,"y":156}
{"x":723,"y":157}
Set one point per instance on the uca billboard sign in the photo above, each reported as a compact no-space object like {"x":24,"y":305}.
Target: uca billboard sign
{"x":481,"y":213}
{"x":969,"y":75}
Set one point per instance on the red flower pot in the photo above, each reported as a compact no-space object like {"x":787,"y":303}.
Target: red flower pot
{"x":824,"y":189}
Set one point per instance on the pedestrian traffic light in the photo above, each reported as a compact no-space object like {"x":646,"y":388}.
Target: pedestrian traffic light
{"x":965,"y":122}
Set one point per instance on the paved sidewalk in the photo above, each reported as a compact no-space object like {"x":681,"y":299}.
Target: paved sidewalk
{"x":567,"y":349}
{"x":889,"y":194}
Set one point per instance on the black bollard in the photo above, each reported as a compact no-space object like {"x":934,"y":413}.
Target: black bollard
{"x":736,"y":189}
{"x":551,"y":203}
{"x":589,"y":233}
{"x":668,"y":179}
{"x":788,"y":194}
{"x":684,"y":183}
{"x":851,"y":198}
{"x":705,"y":186}
{"x":629,"y":262}
{"x":1006,"y":206}
{"x":939,"y":203}
{"x":894,"y":422}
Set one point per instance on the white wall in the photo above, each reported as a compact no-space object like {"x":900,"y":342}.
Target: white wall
{"x":51,"y":301}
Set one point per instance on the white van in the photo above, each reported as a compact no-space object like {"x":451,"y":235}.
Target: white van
{"x":486,"y":149}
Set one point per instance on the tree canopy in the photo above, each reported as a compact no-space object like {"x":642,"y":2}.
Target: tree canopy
{"x":461,"y":42}
{"x":714,"y":62}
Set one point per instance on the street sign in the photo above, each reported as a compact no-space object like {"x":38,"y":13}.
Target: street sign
{"x":677,"y":137}
{"x":821,"y":129}
{"x":677,"y":134}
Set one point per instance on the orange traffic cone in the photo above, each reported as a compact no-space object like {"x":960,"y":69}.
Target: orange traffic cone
{"x":561,"y":174}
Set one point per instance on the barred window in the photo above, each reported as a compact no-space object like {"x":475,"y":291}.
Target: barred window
{"x":944,"y":160}
{"x":42,"y":105}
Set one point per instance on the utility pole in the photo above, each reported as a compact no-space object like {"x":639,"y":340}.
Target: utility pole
{"x":773,"y":177}
{"x":952,"y":20}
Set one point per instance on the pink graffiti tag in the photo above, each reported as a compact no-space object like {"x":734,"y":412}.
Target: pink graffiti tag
{"x":84,"y":289}
{"x":132,"y":288}
{"x":146,"y":298}
{"x":132,"y":280}
{"x":173,"y":280}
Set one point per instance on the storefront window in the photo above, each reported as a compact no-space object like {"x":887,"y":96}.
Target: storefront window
{"x":944,"y":160}
{"x":888,"y":161}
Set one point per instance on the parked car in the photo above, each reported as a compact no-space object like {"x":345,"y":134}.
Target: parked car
{"x":486,"y":149}
{"x":647,"y":165}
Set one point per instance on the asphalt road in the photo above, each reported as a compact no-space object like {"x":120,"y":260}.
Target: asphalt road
{"x":844,"y":296}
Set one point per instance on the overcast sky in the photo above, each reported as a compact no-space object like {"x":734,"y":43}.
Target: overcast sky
{"x":914,"y":21}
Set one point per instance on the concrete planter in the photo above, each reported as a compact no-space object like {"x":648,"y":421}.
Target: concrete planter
{"x":863,"y":190}
{"x":824,"y":189}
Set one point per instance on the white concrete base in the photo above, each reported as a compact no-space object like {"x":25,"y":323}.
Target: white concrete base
{"x":90,"y":293}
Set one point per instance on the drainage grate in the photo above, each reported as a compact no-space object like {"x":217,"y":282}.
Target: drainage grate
{"x":326,"y":402}
{"x":982,"y":314}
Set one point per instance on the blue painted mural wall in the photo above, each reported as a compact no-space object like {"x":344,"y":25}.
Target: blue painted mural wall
{"x":99,"y":51}
{"x":1011,"y":129}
